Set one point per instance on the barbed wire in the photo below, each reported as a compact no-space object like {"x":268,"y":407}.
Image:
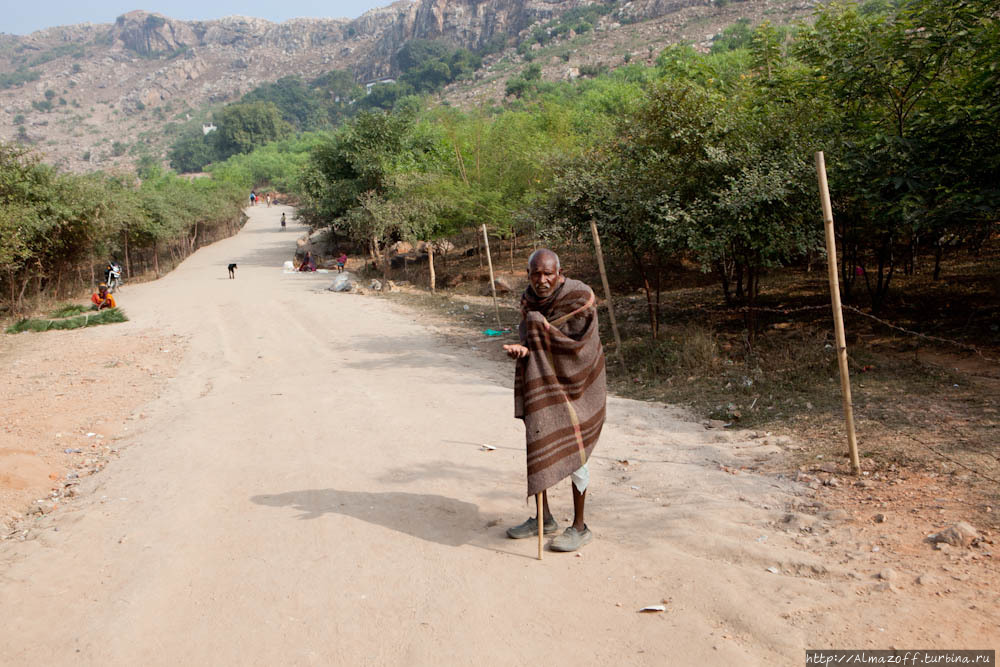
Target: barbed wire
{"x":936,"y":339}
{"x":857,"y":311}
{"x":949,"y":458}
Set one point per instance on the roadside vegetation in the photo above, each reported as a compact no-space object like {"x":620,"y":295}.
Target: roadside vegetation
{"x":58,"y":230}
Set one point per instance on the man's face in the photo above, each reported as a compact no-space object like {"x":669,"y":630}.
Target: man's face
{"x":545,"y":275}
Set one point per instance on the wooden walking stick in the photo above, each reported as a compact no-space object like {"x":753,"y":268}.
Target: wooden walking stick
{"x":607,"y":291}
{"x":838,"y":315}
{"x":541,"y":530}
{"x":493,"y":285}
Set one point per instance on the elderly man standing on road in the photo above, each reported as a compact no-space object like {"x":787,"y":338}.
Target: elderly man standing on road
{"x":559,"y":391}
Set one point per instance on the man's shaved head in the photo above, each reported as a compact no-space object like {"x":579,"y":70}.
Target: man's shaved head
{"x":544,"y":272}
{"x":539,"y":255}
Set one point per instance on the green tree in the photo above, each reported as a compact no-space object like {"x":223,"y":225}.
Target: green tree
{"x":192,"y":151}
{"x":243,"y":127}
{"x":880,"y":77}
{"x":384,"y":96}
{"x":766,"y":49}
{"x":417,"y":52}
{"x":737,"y":36}
{"x":298,"y":104}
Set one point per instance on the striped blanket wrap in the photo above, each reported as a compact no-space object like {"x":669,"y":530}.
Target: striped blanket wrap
{"x":560,"y":387}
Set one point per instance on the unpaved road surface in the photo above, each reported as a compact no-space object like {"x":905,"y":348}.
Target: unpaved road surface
{"x":309,"y":487}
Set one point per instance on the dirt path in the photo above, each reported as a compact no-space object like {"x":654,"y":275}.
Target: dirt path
{"x":310,"y":488}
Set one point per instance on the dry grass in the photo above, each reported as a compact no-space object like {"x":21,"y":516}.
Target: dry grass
{"x":110,"y":316}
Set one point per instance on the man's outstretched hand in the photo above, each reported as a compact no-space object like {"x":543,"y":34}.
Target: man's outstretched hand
{"x":516,"y":351}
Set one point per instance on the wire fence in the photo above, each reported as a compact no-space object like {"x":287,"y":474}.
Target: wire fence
{"x":895,"y":327}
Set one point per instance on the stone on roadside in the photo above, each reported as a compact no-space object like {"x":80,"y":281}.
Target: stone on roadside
{"x":836,"y":515}
{"x":959,"y":534}
{"x":884,"y":587}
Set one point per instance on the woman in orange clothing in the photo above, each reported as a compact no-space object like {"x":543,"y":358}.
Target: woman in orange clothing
{"x":101,"y":299}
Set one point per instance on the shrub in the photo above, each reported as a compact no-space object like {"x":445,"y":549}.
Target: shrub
{"x":517,"y":87}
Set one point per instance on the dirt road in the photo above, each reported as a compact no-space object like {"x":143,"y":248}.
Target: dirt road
{"x":310,"y":488}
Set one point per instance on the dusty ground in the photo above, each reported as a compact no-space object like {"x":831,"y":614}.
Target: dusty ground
{"x":69,"y":399}
{"x":309,"y":487}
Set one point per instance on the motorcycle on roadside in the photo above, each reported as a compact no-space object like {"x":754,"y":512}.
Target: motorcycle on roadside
{"x":113,"y":276}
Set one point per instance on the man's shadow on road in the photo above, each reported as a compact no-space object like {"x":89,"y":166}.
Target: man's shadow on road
{"x":427,"y":517}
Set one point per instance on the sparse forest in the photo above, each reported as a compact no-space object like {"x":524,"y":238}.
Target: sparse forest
{"x":703,"y":158}
{"x":58,"y":230}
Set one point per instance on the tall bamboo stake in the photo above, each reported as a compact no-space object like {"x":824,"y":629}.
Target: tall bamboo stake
{"x":838,"y":315}
{"x":430,"y":264}
{"x":493,"y":285}
{"x":541,"y":529}
{"x":607,"y":292}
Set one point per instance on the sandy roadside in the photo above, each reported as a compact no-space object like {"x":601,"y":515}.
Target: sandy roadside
{"x":69,"y":398}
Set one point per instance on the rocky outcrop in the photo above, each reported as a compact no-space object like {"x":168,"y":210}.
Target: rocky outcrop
{"x":163,"y":84}
{"x":642,"y":10}
{"x":468,"y":23}
{"x":377,"y":35}
{"x":149,"y":34}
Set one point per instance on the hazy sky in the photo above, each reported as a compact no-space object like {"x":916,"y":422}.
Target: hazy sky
{"x":23,"y":17}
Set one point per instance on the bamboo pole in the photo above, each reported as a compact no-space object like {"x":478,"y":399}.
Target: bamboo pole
{"x":541,"y":529}
{"x":493,"y":285}
{"x":607,"y":292}
{"x":430,"y":263}
{"x":838,"y":315}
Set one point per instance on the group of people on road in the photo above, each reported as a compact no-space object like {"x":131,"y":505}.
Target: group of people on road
{"x":255,"y":198}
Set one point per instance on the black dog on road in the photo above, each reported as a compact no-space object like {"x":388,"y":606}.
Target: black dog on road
{"x":232,"y":271}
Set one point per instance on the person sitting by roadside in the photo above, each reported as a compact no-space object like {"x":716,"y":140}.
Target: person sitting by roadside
{"x":101,"y":299}
{"x":308,"y":264}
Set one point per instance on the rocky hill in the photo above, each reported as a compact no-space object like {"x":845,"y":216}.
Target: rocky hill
{"x":97,"y":96}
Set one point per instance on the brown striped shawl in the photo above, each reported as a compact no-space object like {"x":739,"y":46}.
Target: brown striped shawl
{"x":560,"y":387}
